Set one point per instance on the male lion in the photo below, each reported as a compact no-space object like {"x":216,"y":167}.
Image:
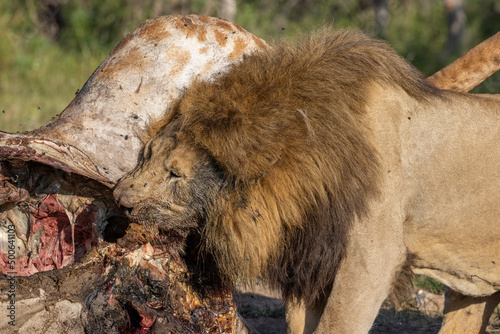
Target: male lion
{"x":322,"y":166}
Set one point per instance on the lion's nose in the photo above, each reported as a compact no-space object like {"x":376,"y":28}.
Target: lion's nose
{"x":123,"y":194}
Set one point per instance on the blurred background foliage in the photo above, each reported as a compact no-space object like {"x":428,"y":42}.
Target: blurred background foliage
{"x":48,"y":48}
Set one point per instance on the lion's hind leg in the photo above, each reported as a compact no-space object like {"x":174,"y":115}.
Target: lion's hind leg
{"x":467,"y":314}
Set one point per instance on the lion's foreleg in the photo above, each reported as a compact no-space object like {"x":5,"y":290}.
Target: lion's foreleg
{"x":375,"y":255}
{"x":467,"y":314}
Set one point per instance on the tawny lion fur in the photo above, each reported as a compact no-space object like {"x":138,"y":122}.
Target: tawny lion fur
{"x":297,"y":168}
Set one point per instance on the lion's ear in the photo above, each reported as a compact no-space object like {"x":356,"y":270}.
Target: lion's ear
{"x":242,"y":133}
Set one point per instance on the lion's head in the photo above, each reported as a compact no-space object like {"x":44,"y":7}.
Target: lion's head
{"x":171,"y":192}
{"x":273,"y":160}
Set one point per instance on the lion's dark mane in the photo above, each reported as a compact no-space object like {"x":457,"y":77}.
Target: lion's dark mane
{"x":288,"y":128}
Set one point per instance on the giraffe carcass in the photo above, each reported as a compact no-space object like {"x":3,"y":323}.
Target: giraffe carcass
{"x":69,"y":266}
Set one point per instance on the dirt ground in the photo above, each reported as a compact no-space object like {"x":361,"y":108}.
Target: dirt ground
{"x":263,"y":311}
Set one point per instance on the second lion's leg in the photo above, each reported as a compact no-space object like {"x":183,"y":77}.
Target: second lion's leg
{"x":295,"y":316}
{"x":467,"y":314}
{"x":299,"y":319}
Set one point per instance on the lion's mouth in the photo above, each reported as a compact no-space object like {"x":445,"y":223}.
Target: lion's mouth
{"x":163,"y":215}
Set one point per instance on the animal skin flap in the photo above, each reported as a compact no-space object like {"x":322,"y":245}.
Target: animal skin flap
{"x":101,"y":132}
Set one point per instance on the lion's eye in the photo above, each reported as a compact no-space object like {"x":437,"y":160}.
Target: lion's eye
{"x":174,"y":173}
{"x":148,"y":151}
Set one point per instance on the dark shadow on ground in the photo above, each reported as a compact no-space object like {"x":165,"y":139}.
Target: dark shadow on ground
{"x":263,"y":310}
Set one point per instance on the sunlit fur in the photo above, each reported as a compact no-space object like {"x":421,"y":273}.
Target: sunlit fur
{"x":286,"y":136}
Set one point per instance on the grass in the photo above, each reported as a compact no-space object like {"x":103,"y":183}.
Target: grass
{"x":31,"y":95}
{"x":38,"y":78}
{"x":428,"y":284}
{"x":42,"y":81}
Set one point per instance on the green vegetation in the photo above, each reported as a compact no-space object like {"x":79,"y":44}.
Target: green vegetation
{"x":38,"y":78}
{"x":40,"y":72}
{"x":428,"y":284}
